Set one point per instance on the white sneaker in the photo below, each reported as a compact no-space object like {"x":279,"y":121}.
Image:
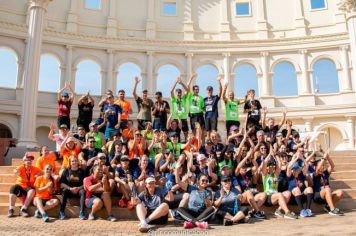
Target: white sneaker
{"x":144,"y":227}
{"x":309,"y":212}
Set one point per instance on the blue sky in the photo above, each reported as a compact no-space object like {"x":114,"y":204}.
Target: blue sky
{"x":88,"y":77}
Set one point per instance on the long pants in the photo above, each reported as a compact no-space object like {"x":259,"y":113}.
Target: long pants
{"x":192,"y":216}
{"x":68,"y":194}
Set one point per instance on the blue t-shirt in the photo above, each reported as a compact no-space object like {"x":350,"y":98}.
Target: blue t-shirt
{"x":197,"y":198}
{"x":320,"y":181}
{"x":111,"y":115}
{"x":211,"y":107}
{"x":137,"y":172}
{"x":123,"y":174}
{"x":151,"y":202}
{"x":296,"y":182}
{"x":229,"y":202}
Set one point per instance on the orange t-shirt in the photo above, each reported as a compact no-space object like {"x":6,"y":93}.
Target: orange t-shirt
{"x":127,"y":134}
{"x":65,"y":153}
{"x":136,"y":151}
{"x":195,"y":144}
{"x":26,"y":178}
{"x":125,"y":107}
{"x":50,"y":159}
{"x":40,"y":182}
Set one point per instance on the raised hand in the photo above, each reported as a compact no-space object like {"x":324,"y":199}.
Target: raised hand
{"x":53,"y":126}
{"x":137,"y":80}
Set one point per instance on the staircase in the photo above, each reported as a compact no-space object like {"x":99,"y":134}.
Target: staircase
{"x":343,"y":178}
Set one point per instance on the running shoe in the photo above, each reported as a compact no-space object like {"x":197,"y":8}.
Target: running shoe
{"x":227,"y":222}
{"x":37,"y":214}
{"x":188,"y":225}
{"x":278,"y":213}
{"x":303,"y":213}
{"x":202,"y":225}
{"x":291,"y":216}
{"x":10,"y":213}
{"x":336,"y":212}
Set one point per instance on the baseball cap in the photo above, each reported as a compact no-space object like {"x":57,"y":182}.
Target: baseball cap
{"x":167,"y":151}
{"x":150,"y":180}
{"x":201,"y":157}
{"x":124,"y":158}
{"x":155,"y":130}
{"x":173,"y":134}
{"x":101,"y":154}
{"x":63,"y":126}
{"x":223,"y":166}
{"x":28,"y":156}
{"x":210,"y":88}
{"x":92,"y":124}
{"x":65,"y":94}
{"x":225,"y":178}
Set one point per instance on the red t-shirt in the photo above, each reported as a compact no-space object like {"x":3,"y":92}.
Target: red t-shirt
{"x":64,"y":107}
{"x":89,"y":181}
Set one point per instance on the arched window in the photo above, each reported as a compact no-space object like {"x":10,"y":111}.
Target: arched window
{"x":325,"y":79}
{"x":206,"y":76}
{"x":88,"y":78}
{"x":50,"y":74}
{"x":284,"y":80}
{"x":8,"y":68}
{"x":167,"y":74}
{"x":5,"y":132}
{"x":126,"y":78}
{"x":245,"y":79}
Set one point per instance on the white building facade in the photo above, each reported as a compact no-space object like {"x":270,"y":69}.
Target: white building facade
{"x":186,"y":34}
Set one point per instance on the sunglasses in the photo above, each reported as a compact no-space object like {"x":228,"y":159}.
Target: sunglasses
{"x":48,"y":169}
{"x":204,"y":180}
{"x":102,"y":158}
{"x":91,"y":141}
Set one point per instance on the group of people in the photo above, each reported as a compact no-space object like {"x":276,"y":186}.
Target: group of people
{"x":166,"y":167}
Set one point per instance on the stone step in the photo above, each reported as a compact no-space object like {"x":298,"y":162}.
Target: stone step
{"x":10,"y":169}
{"x":350,"y":193}
{"x":345,"y":166}
{"x":18,"y":162}
{"x":343,"y":160}
{"x":343,"y":184}
{"x":343,"y":153}
{"x":5,"y":187}
{"x":7,"y":178}
{"x":347,"y":174}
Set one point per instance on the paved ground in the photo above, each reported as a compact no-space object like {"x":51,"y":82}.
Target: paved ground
{"x":319,"y":225}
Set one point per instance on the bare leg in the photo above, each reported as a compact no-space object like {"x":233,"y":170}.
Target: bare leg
{"x":38,"y":203}
{"x":12,"y":200}
{"x":107,"y":202}
{"x":29,"y":197}
{"x":97,"y":205}
{"x":160,"y":211}
{"x":141,"y":212}
{"x":51,"y":204}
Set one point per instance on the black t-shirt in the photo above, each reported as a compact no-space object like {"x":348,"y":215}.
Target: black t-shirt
{"x":72,"y":178}
{"x":85,"y":111}
{"x":255,"y":114}
{"x":161,"y":110}
{"x":211,"y":106}
{"x":271,"y":133}
{"x":80,"y":138}
{"x":90,"y":153}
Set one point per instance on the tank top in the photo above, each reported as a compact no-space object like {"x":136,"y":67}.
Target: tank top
{"x":232,"y":110}
{"x":270,"y":184}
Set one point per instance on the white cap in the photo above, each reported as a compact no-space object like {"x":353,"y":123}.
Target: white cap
{"x":150,"y":180}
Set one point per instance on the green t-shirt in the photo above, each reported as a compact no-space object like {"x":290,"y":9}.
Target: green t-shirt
{"x":270,"y":184}
{"x":232,"y":110}
{"x":176,"y":151}
{"x":179,"y":107}
{"x":157,"y":149}
{"x":195,"y":103}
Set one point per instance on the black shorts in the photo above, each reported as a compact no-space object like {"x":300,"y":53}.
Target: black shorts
{"x":63,"y":120}
{"x":318,"y":199}
{"x":198,"y":117}
{"x":268,"y":202}
{"x":211,"y":124}
{"x":159,"y":221}
{"x":230,"y":123}
{"x":220,"y":214}
{"x":18,"y":190}
{"x":185,"y":127}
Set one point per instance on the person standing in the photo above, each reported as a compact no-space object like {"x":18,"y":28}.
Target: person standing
{"x":160,"y":110}
{"x":126,"y":109}
{"x":65,"y":101}
{"x":253,"y":109}
{"x":195,"y":106}
{"x":85,"y":111}
{"x":144,"y":105}
{"x":113,"y":117}
{"x":231,"y":109}
{"x":211,"y":108}
{"x":179,"y":105}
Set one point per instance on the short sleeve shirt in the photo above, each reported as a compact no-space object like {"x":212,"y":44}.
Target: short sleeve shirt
{"x":26,"y":178}
{"x":196,"y":103}
{"x":161,"y":110}
{"x":112,"y":115}
{"x":211,"y":107}
{"x":255,"y":114}
{"x":40,"y":182}
{"x":85,"y":111}
{"x":72,"y":178}
{"x":144,"y":108}
{"x":229,"y":202}
{"x":179,"y":107}
{"x":151,"y":202}
{"x":126,"y":107}
{"x":197,"y":198}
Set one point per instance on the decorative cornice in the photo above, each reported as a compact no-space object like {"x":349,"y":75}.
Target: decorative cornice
{"x":347,"y":5}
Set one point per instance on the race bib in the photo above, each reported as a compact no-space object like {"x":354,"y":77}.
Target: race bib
{"x":194,"y":108}
{"x":255,"y":113}
{"x":233,"y":114}
{"x":209,"y":108}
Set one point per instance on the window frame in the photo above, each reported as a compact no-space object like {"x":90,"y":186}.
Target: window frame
{"x":163,"y":2}
{"x":318,"y":9}
{"x":249,"y":8}
{"x":93,"y":9}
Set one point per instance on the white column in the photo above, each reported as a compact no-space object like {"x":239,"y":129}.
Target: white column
{"x":189,"y":72}
{"x":72,"y":18}
{"x":305,"y":79}
{"x":148,"y":83}
{"x":299,"y":19}
{"x":351,"y":131}
{"x":20,"y":64}
{"x":308,"y":125}
{"x":188,"y":27}
{"x":351,"y":25}
{"x":104,"y":82}
{"x":111,"y":80}
{"x":69,"y":67}
{"x":27,"y":135}
{"x":111,"y":24}
{"x":226,"y":66}
{"x":261,"y":20}
{"x":224,"y":22}
{"x":266,"y":88}
{"x":150,"y":22}
{"x":346,"y":78}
